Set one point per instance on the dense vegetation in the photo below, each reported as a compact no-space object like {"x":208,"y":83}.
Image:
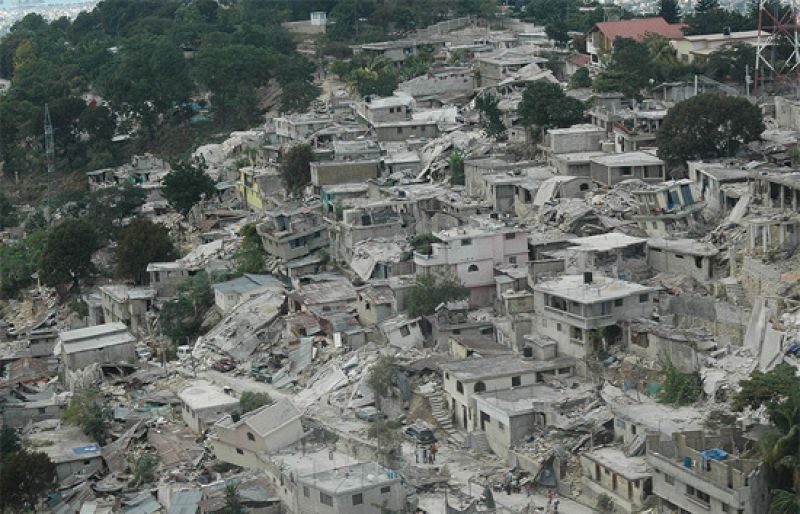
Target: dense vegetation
{"x":778,"y":391}
{"x":25,"y":476}
{"x":61,"y":252}
{"x":708,"y":126}
{"x":143,"y":68}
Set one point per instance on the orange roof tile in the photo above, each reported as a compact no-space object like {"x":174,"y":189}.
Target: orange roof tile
{"x":638,"y":28}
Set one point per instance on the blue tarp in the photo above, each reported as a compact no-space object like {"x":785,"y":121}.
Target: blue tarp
{"x":714,"y":454}
{"x":83,"y":450}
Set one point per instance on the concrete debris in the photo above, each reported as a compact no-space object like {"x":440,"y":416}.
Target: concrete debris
{"x":568,"y":271}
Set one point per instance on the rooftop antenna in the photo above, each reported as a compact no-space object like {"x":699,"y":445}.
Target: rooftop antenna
{"x":49,"y":146}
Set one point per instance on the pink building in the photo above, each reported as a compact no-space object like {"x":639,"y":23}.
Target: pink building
{"x":470,"y":254}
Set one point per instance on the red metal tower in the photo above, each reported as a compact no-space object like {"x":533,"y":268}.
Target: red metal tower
{"x":777,"y":31}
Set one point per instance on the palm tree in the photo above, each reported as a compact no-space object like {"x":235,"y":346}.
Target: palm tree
{"x":784,"y":502}
{"x":781,"y":450}
{"x":660,"y":50}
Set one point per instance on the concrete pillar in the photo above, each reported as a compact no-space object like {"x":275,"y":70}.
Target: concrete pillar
{"x":765,"y":237}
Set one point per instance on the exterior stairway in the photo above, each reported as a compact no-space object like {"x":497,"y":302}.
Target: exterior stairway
{"x":479,"y":442}
{"x":439,"y":412}
{"x":735,"y":292}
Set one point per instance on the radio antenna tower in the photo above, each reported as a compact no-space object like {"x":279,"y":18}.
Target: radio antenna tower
{"x":777,"y":29}
{"x":49,"y":146}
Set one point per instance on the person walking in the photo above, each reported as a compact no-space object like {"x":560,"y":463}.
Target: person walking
{"x":432,"y":452}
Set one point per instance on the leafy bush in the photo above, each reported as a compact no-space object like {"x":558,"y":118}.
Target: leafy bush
{"x":679,"y":388}
{"x":250,"y":401}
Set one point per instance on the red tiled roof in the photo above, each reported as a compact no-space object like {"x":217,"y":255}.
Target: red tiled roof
{"x":580,"y":59}
{"x":638,"y":28}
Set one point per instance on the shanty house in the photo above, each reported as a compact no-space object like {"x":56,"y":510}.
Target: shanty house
{"x":110,"y":344}
{"x":203,"y":405}
{"x":239,"y":440}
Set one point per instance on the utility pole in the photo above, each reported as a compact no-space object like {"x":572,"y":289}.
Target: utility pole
{"x":49,"y":146}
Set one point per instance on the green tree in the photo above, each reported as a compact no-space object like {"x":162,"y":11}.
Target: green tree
{"x":251,"y":400}
{"x":660,"y":50}
{"x":98,"y":122}
{"x":778,"y":391}
{"x":629,"y":70}
{"x":557,"y":31}
{"x":231,"y":72}
{"x":704,"y":6}
{"x":140,"y":243}
{"x":19,"y":260}
{"x":456,"y":164}
{"x":387,"y":439}
{"x":9,"y":442}
{"x":146,"y":77}
{"x":766,"y":388}
{"x":679,"y":388}
{"x":491,"y":116}
{"x":295,"y":168}
{"x":381,"y":377}
{"x":580,"y":79}
{"x":250,"y":257}
{"x":8,"y":214}
{"x":232,"y":503}
{"x":182,"y":317}
{"x":145,"y":468}
{"x":428,"y":292}
{"x":545,"y":105}
{"x":88,"y":411}
{"x":421,"y":243}
{"x":186,"y":184}
{"x":297,"y":96}
{"x":669,"y":10}
{"x":784,"y":502}
{"x":26,"y":477}
{"x":730,"y":63}
{"x":67,"y":255}
{"x":708,"y":126}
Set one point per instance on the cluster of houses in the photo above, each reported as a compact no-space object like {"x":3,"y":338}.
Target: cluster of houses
{"x":585,"y":267}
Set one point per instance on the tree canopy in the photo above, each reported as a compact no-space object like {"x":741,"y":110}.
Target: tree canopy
{"x":67,"y":255}
{"x":147,"y":66}
{"x":545,"y":105}
{"x":491,"y":117}
{"x":252,"y":400}
{"x":89,"y":411}
{"x":140,"y":243}
{"x":295,"y":168}
{"x":428,"y":292}
{"x":779,"y":391}
{"x":25,"y":479}
{"x":669,"y":10}
{"x":708,"y":126}
{"x":250,"y":257}
{"x":186,"y":184}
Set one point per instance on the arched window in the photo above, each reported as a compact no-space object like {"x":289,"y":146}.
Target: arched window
{"x":479,"y":387}
{"x":472,"y":267}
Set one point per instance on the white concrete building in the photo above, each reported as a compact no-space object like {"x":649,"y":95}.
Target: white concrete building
{"x":203,"y":405}
{"x":470,"y":254}
{"x":463,"y":379}
{"x":241,"y":440}
{"x":581,"y":312}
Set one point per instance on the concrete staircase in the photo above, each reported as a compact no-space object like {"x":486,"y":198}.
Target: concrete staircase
{"x":735,"y":292}
{"x":479,"y":442}
{"x":439,"y":412}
